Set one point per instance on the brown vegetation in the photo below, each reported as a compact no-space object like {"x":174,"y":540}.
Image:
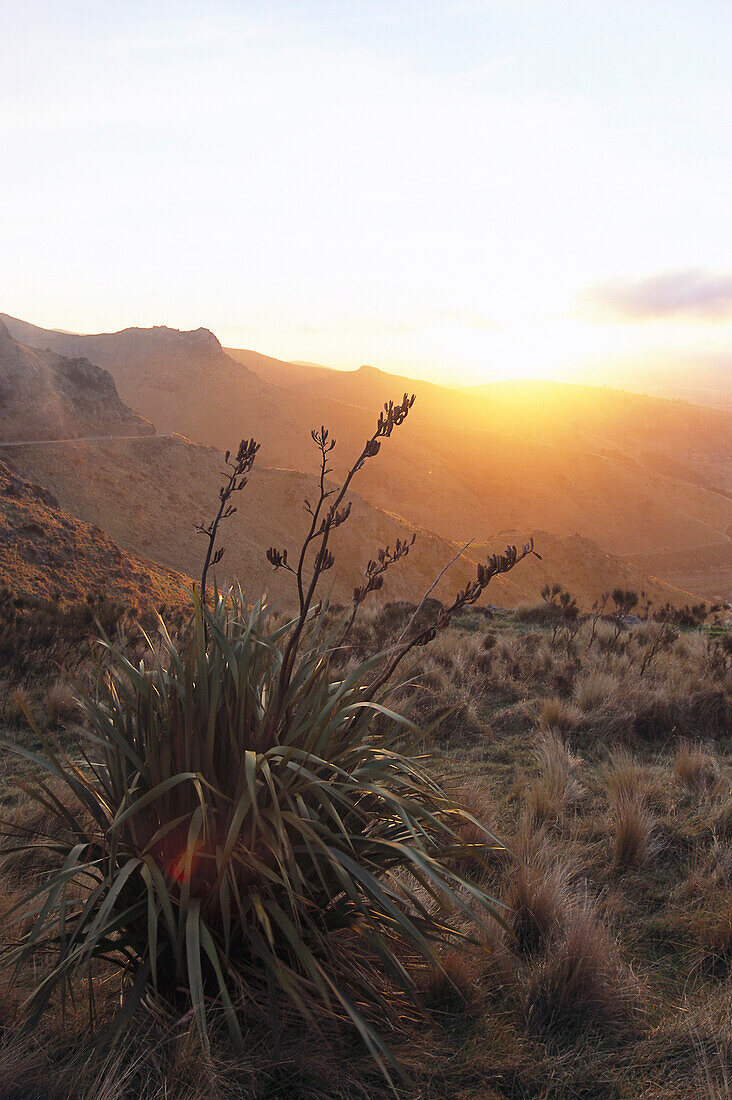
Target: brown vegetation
{"x":45,"y":553}
{"x":612,"y":975}
{"x":597,"y":748}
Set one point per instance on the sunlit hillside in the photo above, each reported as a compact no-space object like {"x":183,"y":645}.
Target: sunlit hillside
{"x":636,"y":475}
{"x":109,"y":483}
{"x":46,"y":553}
{"x":44,"y":395}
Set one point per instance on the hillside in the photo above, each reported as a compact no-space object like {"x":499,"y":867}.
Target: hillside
{"x":581,"y":566}
{"x":542,"y":411}
{"x":634,"y":474}
{"x":279,"y":371}
{"x":694,"y":440}
{"x":148,"y":493}
{"x":44,"y":395}
{"x":44,"y":550}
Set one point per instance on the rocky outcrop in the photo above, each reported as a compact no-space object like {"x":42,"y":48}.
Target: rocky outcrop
{"x":44,"y":395}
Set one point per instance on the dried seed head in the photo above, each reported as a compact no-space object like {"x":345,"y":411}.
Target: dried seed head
{"x":277,"y":558}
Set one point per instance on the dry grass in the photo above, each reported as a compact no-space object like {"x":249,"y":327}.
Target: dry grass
{"x":626,"y":997}
{"x":715,"y":1069}
{"x":715,"y":934}
{"x":26,"y":1070}
{"x":539,"y":901}
{"x":456,"y":986}
{"x":581,"y":984}
{"x":557,"y":717}
{"x":594,"y":690}
{"x":695,"y":767}
{"x":60,"y":703}
{"x":489,"y":856}
{"x":17,"y":702}
{"x":558,"y":787}
{"x":634,"y":844}
{"x":625,"y":778}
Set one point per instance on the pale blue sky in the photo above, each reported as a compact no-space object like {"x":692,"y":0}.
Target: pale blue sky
{"x":457,"y":189}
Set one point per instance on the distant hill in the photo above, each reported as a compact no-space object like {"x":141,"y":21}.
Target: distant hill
{"x":633,"y":474}
{"x":183,"y":380}
{"x":642,"y":477}
{"x":584,"y":417}
{"x":281,"y":372}
{"x":44,"y":550}
{"x":44,"y":395}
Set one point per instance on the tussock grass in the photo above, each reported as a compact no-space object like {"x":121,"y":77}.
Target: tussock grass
{"x":539,"y":904}
{"x":481,"y":855}
{"x":534,"y":613}
{"x":17,"y":701}
{"x":694,"y":766}
{"x":625,"y":777}
{"x":557,"y":788}
{"x":557,"y":716}
{"x":580,"y":984}
{"x":593,"y":690}
{"x":715,"y":934}
{"x":26,"y":1070}
{"x":60,"y":703}
{"x":623,"y":996}
{"x":635,"y":843}
{"x":456,"y":984}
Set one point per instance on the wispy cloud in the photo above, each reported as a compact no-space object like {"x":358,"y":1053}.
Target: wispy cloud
{"x":693,"y":293}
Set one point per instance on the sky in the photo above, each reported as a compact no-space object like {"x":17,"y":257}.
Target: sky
{"x":452,"y":190}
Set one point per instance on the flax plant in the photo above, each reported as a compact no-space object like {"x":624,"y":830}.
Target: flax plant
{"x":201,"y":855}
{"x":244,"y":831}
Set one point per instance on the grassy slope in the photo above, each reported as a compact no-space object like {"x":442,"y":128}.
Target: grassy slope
{"x":112,"y":484}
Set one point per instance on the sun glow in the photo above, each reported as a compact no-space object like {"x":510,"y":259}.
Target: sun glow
{"x":439,"y":195}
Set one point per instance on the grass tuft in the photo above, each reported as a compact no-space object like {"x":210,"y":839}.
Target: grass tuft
{"x":61,"y":705}
{"x":594,"y":690}
{"x":580,"y":984}
{"x":557,"y":717}
{"x":557,"y":788}
{"x":538,"y":904}
{"x":635,"y":844}
{"x":694,"y":767}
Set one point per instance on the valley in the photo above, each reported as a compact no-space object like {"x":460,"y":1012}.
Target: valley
{"x":640,"y":480}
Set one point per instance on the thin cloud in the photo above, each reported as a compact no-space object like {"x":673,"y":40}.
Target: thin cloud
{"x":410,"y":323}
{"x":690,"y":293}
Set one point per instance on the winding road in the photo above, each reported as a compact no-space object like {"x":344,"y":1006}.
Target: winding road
{"x":79,"y":439}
